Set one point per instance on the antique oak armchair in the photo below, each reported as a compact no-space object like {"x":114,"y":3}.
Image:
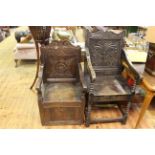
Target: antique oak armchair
{"x":60,"y":84}
{"x":41,"y":35}
{"x":105,"y":61}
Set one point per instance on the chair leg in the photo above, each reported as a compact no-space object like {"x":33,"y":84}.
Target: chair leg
{"x":88,"y":111}
{"x":144,"y":107}
{"x":88,"y":115}
{"x":124,"y":119}
{"x":16,"y":63}
{"x":126,"y":109}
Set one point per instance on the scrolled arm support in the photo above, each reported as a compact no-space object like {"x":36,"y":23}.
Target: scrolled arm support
{"x":90,"y":67}
{"x":81,"y":74}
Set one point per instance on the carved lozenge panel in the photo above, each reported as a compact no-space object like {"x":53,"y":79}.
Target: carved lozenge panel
{"x":105,"y":52}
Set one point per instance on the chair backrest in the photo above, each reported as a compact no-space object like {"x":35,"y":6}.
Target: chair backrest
{"x":105,"y":50}
{"x":41,"y":34}
{"x":60,"y":59}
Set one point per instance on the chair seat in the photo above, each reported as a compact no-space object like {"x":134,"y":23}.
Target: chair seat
{"x":62,"y":92}
{"x":111,"y":86}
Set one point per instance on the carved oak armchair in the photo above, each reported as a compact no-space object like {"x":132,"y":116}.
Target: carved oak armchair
{"x":60,"y":84}
{"x":105,"y":61}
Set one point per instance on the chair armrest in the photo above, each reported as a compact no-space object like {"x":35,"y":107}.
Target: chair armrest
{"x":81,"y":74}
{"x":39,"y":80}
{"x":89,"y":66}
{"x":129,"y":66}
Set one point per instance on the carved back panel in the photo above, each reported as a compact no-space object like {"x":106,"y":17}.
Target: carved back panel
{"x":61,"y":60}
{"x":106,"y":51}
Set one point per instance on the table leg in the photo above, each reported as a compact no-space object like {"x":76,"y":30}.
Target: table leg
{"x":145,"y":105}
{"x":38,"y":63}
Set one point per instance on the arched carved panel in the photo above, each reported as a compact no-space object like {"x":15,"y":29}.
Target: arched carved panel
{"x":105,"y":52}
{"x":61,"y":60}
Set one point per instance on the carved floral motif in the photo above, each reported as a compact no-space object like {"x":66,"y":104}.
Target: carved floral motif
{"x":105,"y":52}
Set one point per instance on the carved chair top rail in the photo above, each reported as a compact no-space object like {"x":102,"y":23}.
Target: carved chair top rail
{"x":112,"y":35}
{"x":106,"y":35}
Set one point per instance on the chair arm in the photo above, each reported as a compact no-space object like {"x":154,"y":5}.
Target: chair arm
{"x":39,"y":80}
{"x":90,"y":67}
{"x":129,"y":66}
{"x":81,"y":74}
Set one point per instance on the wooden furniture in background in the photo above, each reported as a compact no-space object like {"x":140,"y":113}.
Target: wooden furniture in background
{"x":41,"y":35}
{"x":148,"y":83}
{"x":105,"y":61}
{"x":150,"y":63}
{"x":24,"y":51}
{"x":4,"y":32}
{"x":60,"y":87}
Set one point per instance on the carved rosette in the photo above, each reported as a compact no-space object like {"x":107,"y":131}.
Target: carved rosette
{"x":61,"y":67}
